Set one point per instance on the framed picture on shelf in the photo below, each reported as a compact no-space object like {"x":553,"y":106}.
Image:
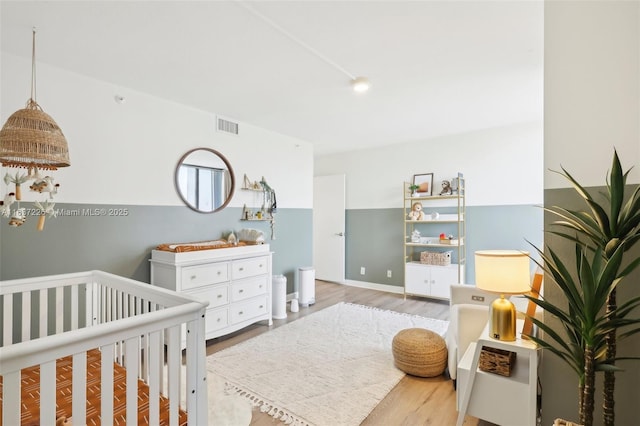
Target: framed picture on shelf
{"x":425,"y":184}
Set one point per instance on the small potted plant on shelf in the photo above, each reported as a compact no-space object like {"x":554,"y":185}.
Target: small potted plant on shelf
{"x":413,"y":188}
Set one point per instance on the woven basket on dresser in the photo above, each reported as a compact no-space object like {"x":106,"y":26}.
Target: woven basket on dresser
{"x":419,"y":352}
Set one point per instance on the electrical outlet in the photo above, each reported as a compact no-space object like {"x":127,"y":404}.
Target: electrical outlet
{"x":362,"y":270}
{"x":388,"y":273}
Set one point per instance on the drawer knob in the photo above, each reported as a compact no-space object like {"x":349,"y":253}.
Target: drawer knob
{"x":241,"y":269}
{"x":241,"y":291}
{"x":240,"y":313}
{"x":219,"y":272}
{"x":193,"y":277}
{"x":219,"y":319}
{"x":261,"y":306}
{"x":219,"y":296}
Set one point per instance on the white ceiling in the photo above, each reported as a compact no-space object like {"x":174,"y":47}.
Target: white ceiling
{"x":436,"y":67}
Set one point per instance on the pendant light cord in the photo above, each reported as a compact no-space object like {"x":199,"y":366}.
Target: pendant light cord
{"x":33,"y":66}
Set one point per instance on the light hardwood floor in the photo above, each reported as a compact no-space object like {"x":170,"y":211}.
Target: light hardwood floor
{"x":415,"y":400}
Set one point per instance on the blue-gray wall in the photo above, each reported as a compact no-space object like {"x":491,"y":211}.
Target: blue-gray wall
{"x":559,"y":382}
{"x":375,"y":238}
{"x":122,"y":244}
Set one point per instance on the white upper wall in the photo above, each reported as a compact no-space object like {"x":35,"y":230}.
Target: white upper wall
{"x":127,"y":153}
{"x":502,"y":166}
{"x":592,"y":90}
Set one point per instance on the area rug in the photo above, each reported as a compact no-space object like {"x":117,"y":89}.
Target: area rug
{"x":331,"y":367}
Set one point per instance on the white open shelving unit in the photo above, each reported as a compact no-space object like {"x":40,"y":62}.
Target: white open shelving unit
{"x":429,"y":280}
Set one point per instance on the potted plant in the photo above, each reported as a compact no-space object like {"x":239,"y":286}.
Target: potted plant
{"x":592,"y":319}
{"x":413,"y":188}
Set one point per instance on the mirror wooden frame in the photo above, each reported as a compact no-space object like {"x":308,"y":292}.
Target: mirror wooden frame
{"x":231,"y":175}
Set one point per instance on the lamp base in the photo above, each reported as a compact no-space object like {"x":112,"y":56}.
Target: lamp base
{"x":502,"y":320}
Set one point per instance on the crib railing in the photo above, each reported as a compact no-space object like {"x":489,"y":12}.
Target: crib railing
{"x":132,"y":323}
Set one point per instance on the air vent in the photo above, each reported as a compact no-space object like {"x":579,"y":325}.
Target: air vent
{"x":227,"y":126}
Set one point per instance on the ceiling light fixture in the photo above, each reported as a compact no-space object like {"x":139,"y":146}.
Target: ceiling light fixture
{"x":30,"y":137}
{"x":359,"y":84}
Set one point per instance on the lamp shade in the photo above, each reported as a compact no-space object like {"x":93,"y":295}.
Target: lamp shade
{"x":502,"y":271}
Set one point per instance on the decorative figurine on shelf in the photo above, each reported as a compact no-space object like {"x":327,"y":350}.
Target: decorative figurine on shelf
{"x":416,"y":212}
{"x":415,"y":236}
{"x":446,"y":188}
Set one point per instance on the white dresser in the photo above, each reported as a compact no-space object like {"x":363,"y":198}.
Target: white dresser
{"x":236,"y":282}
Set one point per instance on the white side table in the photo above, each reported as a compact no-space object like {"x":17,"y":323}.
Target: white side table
{"x":499,"y":399}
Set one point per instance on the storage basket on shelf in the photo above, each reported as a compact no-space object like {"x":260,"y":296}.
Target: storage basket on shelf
{"x":497,"y":361}
{"x":436,"y":258}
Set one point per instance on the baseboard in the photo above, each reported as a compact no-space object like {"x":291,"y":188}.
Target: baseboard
{"x":360,"y":284}
{"x":375,"y":286}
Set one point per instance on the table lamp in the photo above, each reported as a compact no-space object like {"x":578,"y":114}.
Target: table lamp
{"x":502,"y":272}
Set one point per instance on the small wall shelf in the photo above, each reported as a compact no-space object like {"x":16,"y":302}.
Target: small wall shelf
{"x":268,"y":208}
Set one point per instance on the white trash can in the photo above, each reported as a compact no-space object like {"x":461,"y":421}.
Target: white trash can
{"x":307,"y":282}
{"x":279,"y":297}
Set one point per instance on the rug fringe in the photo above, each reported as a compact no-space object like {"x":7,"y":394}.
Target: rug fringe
{"x":274,"y":411}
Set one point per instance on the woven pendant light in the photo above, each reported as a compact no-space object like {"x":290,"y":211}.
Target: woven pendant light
{"x":30,"y":137}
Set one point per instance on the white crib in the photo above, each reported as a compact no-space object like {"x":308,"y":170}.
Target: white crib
{"x":133,"y":324}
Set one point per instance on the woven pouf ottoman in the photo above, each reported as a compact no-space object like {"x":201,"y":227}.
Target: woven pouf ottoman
{"x":419,"y":352}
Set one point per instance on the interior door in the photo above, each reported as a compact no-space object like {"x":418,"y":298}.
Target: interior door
{"x":329,"y":227}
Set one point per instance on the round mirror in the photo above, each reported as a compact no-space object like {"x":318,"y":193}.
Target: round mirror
{"x":204,"y":180}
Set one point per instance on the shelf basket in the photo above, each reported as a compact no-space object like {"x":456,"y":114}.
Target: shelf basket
{"x":436,"y":258}
{"x":497,"y":361}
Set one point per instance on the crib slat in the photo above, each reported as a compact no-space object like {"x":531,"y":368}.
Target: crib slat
{"x":79,"y":386}
{"x":132,"y":352}
{"x":91,"y":305}
{"x":106,"y":385}
{"x":74,"y":307}
{"x":48,"y":392}
{"x":113,"y":302}
{"x":44,"y":309}
{"x":11,"y":398}
{"x":173,"y":365}
{"x":153,"y":381}
{"x":26,"y":316}
{"x":7,"y":321}
{"x":103,"y":308}
{"x":59,"y":314}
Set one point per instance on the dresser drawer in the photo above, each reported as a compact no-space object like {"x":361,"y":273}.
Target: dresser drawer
{"x":216,"y":295}
{"x":216,"y":319}
{"x":196,"y":276}
{"x":247,"y":289}
{"x":249,"y":267}
{"x":247,"y":310}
